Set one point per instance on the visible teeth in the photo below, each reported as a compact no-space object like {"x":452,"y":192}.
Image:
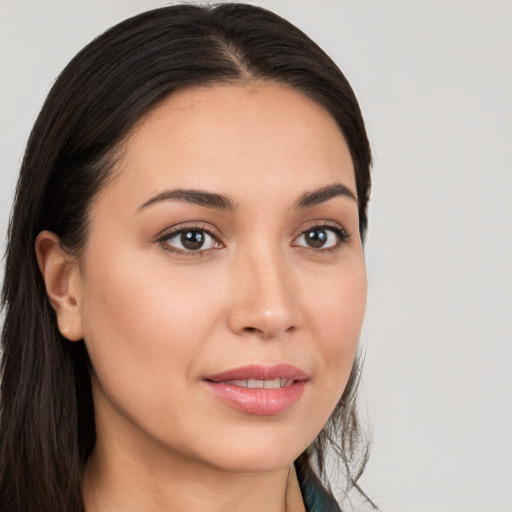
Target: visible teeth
{"x":272,"y":384}
{"x":241,"y":383}
{"x":261,"y":384}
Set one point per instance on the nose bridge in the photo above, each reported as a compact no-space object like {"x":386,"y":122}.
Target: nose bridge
{"x":264,"y":301}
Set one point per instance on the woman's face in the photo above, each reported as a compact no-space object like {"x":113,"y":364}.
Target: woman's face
{"x":223,"y":285}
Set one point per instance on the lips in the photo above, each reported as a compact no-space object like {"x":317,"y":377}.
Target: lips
{"x":254,"y":371}
{"x":259,"y":390}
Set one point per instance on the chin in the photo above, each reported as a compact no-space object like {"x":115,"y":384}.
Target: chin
{"x":255,"y":462}
{"x":258,"y":454}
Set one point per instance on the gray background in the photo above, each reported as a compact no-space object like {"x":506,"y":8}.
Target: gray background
{"x":435,"y":83}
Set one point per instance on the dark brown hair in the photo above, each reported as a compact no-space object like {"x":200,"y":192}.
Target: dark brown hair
{"x":47,"y":427}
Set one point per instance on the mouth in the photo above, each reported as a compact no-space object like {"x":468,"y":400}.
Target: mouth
{"x":259,"y":390}
{"x":261,"y":384}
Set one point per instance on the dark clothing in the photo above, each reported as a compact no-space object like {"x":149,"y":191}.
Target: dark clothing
{"x":316,"y":498}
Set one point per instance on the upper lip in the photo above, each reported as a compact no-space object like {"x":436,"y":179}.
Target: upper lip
{"x":255,"y":371}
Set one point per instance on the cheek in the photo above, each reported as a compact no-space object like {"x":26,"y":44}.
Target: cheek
{"x":338,"y":302}
{"x":138,"y":325}
{"x":336,"y":316}
{"x":135,"y":299}
{"x":144,"y":330}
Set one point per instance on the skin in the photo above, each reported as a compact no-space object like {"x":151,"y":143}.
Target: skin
{"x":156,"y":321}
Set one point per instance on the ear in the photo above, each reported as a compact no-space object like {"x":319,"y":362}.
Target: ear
{"x":61,"y":275}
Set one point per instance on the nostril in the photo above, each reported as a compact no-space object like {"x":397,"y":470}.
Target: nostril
{"x":266,"y":333}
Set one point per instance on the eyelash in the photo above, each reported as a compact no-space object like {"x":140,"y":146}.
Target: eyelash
{"x":341,"y":234}
{"x":164,"y":240}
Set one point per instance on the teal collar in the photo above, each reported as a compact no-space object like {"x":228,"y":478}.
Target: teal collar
{"x":316,"y":498}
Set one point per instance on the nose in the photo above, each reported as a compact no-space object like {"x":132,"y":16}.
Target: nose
{"x":264,"y":300}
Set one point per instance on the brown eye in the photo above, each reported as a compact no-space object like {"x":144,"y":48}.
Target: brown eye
{"x":190,"y":240}
{"x":316,"y":238}
{"x":321,"y":237}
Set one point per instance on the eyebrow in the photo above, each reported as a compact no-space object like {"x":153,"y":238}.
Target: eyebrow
{"x":321,"y":195}
{"x":220,"y":202}
{"x":197,"y":197}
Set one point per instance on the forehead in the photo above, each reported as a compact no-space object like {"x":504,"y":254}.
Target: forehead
{"x":235,"y":139}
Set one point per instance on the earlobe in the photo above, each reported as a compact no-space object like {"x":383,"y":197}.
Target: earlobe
{"x":61,"y":276}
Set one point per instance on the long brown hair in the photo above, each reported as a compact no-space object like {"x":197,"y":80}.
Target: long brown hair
{"x":47,"y":417}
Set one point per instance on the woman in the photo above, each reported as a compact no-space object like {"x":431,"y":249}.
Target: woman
{"x":185,"y":281}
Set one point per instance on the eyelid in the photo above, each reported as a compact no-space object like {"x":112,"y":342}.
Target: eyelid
{"x":342,"y":233}
{"x":336,"y":226}
{"x":192,"y":224}
{"x":164,"y":236}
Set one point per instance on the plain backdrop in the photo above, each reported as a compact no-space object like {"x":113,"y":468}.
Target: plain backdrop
{"x":434,"y":79}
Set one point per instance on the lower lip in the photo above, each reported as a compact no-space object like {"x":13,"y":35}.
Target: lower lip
{"x":261,"y":402}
